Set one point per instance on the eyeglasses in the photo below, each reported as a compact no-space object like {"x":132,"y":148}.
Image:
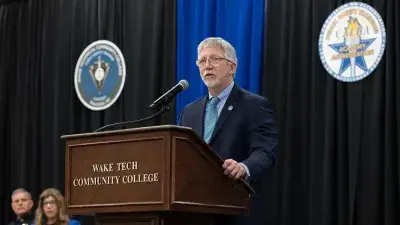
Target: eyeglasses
{"x":215,"y":61}
{"x":51,"y":203}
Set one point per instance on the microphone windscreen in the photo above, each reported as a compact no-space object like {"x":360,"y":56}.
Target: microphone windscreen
{"x":184,"y":84}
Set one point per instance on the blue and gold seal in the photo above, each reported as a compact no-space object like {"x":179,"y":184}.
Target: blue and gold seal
{"x":352,"y":42}
{"x":100,"y":75}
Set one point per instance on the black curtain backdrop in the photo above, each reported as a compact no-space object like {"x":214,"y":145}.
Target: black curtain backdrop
{"x":339,"y":151}
{"x":338,"y":154}
{"x":40,"y":43}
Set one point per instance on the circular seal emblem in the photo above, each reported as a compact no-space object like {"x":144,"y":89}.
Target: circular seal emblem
{"x":352,"y":42}
{"x":100,"y":75}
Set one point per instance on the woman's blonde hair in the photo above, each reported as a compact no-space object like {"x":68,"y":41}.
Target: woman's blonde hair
{"x":40,"y":217}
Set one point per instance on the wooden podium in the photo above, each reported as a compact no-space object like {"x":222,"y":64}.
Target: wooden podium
{"x":157,"y":175}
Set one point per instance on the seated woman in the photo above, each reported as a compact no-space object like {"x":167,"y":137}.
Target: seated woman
{"x":51,"y":209}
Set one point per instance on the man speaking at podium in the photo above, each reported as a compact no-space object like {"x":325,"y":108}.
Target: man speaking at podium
{"x":238,"y":125}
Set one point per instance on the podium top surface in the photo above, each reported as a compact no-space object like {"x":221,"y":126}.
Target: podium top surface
{"x":129,"y":131}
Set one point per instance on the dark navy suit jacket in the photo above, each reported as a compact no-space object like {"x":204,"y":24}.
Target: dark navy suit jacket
{"x":245,"y":132}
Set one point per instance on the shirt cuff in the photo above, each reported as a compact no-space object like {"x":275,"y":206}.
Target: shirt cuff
{"x":247,"y":170}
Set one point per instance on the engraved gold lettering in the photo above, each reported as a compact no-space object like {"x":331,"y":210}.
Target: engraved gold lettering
{"x":155,"y":177}
{"x":95,"y":181}
{"x":108,"y":167}
{"x":140,"y":178}
{"x":115,"y":179}
{"x":124,"y":166}
{"x":96,"y":168}
{"x":131,"y":165}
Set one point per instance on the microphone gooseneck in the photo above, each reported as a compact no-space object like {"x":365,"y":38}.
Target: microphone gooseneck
{"x":164,"y":102}
{"x":163,"y":110}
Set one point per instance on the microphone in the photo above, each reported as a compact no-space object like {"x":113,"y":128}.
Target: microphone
{"x":169,"y":95}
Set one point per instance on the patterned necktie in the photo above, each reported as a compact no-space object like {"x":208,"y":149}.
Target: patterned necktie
{"x":211,"y":118}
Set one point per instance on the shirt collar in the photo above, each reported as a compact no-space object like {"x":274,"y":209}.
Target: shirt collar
{"x":25,"y":218}
{"x":225,"y":93}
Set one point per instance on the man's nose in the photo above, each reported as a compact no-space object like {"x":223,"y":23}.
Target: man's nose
{"x":209,"y":67}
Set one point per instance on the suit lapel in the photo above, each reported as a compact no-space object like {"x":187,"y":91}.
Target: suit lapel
{"x":199,"y":118}
{"x":226,"y":111}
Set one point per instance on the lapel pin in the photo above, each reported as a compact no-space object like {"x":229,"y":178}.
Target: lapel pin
{"x":230,"y":108}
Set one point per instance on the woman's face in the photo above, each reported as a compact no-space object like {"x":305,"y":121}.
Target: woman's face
{"x":50,"y":207}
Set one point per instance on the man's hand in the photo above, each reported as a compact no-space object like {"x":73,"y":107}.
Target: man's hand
{"x":233,"y":169}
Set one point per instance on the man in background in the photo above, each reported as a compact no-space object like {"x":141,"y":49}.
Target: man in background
{"x":21,"y":203}
{"x":238,"y":125}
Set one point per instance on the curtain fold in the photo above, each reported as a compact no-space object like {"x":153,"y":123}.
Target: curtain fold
{"x":339,"y":153}
{"x":41,"y":42}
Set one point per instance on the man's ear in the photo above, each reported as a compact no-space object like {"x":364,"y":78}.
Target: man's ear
{"x":30,"y":203}
{"x":233,"y":67}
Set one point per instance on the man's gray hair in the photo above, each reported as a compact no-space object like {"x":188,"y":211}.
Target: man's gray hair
{"x":229,"y":50}
{"x":21,"y":190}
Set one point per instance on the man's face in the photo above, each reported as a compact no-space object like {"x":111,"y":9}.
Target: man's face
{"x":50,"y":207}
{"x":216,"y":71}
{"x":21,"y":203}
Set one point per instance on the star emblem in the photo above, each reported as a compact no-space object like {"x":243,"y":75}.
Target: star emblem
{"x":359,"y":59}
